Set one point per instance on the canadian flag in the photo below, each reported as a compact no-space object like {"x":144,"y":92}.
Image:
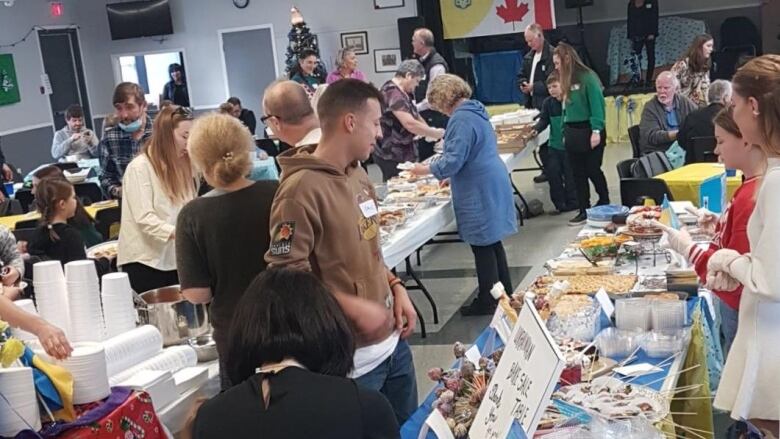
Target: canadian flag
{"x":473,"y":18}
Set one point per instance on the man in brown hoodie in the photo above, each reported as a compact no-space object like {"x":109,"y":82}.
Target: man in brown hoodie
{"x":325,"y":220}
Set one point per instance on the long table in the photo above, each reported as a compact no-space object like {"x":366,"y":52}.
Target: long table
{"x":671,"y":371}
{"x":11,"y":220}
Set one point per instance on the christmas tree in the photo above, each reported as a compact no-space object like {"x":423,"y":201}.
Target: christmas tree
{"x":301,"y":38}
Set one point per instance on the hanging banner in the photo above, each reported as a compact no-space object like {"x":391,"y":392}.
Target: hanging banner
{"x":474,"y":18}
{"x":9,"y":87}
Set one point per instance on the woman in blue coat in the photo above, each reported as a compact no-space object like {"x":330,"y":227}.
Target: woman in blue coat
{"x":481,"y":191}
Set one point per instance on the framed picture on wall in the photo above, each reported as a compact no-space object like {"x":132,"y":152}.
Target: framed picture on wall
{"x":387,"y":60}
{"x":387,"y":4}
{"x":357,"y":41}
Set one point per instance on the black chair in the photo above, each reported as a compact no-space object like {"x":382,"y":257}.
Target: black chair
{"x":633,"y":136}
{"x":634,"y":190}
{"x":624,"y":168}
{"x":88,"y":193}
{"x":703,"y":150}
{"x":25,"y":199}
{"x":66,"y":166}
{"x":107,"y":222}
{"x":739,"y":39}
{"x":27,"y":224}
{"x":24,"y":234}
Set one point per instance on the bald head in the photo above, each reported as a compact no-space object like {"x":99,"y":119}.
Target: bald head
{"x":666,"y":85}
{"x":288,"y":101}
{"x":534,"y":37}
{"x":288,"y":111}
{"x":422,"y":41}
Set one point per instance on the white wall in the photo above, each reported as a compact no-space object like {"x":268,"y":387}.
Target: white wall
{"x":33,"y":110}
{"x":196,"y":23}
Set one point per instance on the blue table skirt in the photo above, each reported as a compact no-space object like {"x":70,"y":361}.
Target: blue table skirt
{"x":411,"y":428}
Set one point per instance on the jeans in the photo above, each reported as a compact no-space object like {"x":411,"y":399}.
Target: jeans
{"x":649,"y":44}
{"x":585,"y":163}
{"x":492,"y":267}
{"x":561,"y":179}
{"x":395,"y":379}
{"x":728,"y":325}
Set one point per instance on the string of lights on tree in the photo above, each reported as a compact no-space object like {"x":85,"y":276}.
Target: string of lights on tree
{"x":26,"y":36}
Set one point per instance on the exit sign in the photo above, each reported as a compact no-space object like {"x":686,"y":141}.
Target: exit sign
{"x":56,"y":9}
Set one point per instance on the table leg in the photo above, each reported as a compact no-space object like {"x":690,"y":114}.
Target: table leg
{"x":420,"y":286}
{"x":423,"y":332}
{"x":522,"y":199}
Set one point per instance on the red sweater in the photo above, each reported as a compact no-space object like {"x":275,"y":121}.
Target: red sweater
{"x":730,"y":232}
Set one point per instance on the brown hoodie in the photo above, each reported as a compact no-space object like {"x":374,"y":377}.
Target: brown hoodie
{"x":325,"y":221}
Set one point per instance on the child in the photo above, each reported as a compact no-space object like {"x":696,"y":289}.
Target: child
{"x":730,"y":231}
{"x":558,"y":170}
{"x":13,"y":265}
{"x":54,"y":239}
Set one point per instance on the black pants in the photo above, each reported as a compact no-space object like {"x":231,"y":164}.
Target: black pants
{"x":434,"y":119}
{"x":144,"y":278}
{"x":491,"y":268}
{"x":649,"y":44}
{"x":544,"y":156}
{"x":389,"y":168}
{"x":585,"y":163}
{"x":561,"y":179}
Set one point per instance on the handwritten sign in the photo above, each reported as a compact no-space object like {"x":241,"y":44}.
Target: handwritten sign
{"x":523,"y":381}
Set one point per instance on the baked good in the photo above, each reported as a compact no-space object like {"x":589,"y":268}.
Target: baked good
{"x":585,"y":284}
{"x":641,"y":220}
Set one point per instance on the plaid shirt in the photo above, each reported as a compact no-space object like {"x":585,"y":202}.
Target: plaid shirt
{"x":116,"y":150}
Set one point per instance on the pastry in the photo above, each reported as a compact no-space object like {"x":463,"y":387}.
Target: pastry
{"x":584,"y":284}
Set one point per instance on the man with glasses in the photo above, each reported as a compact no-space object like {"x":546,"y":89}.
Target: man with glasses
{"x":289,"y":114}
{"x":122,"y":142}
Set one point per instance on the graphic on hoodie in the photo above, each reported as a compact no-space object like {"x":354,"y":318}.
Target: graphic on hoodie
{"x":283,"y":238}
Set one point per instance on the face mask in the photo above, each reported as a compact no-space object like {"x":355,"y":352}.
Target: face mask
{"x":131,"y":127}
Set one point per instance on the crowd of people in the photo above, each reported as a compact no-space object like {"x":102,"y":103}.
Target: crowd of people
{"x":301,"y":298}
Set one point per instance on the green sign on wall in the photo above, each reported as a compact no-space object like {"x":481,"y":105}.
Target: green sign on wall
{"x":9,"y":86}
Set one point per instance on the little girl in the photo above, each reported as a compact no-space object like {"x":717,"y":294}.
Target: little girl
{"x":730,"y":231}
{"x":55,"y":239}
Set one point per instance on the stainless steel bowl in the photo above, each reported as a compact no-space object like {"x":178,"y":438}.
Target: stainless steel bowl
{"x":177,"y":319}
{"x":205,"y":347}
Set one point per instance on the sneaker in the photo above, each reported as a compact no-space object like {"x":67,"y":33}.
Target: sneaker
{"x":478,"y":308}
{"x":579,"y":220}
{"x":541,"y":178}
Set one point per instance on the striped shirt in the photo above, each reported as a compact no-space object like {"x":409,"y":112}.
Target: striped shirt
{"x":116,"y":151}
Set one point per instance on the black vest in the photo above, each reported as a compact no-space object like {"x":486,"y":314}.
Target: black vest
{"x":433,"y":59}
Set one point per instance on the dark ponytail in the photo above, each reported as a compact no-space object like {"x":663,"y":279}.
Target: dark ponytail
{"x":48,"y":193}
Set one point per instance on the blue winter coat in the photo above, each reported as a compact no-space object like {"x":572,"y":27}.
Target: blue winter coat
{"x":481,"y":191}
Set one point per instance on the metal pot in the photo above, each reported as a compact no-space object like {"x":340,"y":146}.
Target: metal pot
{"x":177,"y":319}
{"x":205,"y":347}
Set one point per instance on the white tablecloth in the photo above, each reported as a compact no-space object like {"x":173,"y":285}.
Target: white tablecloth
{"x":428,"y":223}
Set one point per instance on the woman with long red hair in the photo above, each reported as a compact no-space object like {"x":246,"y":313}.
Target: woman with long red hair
{"x":156,"y":185}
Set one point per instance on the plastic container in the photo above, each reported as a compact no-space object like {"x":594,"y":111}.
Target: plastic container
{"x":613,"y":342}
{"x":633,"y":314}
{"x":669,"y":314}
{"x":664,"y":343}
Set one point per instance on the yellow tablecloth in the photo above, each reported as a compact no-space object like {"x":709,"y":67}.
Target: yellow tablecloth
{"x":623,"y":112}
{"x":684,"y":182}
{"x":495,"y":110}
{"x":10,"y":221}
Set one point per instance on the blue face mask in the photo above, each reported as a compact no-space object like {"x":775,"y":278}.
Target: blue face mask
{"x":132,"y":126}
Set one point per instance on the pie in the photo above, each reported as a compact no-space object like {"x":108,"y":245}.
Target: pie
{"x":641,"y":220}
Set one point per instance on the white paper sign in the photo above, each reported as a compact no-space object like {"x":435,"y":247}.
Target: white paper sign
{"x":523,"y":381}
{"x":474,"y":355}
{"x":606,"y":303}
{"x":46,"y":84}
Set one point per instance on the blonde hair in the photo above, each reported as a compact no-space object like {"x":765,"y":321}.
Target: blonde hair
{"x":220,"y":146}
{"x":446,"y":90}
{"x":175,"y":173}
{"x":760,"y":79}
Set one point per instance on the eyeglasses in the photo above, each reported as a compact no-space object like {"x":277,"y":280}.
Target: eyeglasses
{"x":268,"y":116}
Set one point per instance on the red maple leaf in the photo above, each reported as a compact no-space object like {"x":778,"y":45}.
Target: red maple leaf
{"x":511,"y":11}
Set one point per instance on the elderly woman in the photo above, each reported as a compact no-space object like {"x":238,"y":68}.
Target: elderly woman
{"x":346,"y":67}
{"x":400,"y":120}
{"x":481,"y":191}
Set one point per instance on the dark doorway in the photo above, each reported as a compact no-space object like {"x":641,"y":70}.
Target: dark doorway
{"x":62,"y":63}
